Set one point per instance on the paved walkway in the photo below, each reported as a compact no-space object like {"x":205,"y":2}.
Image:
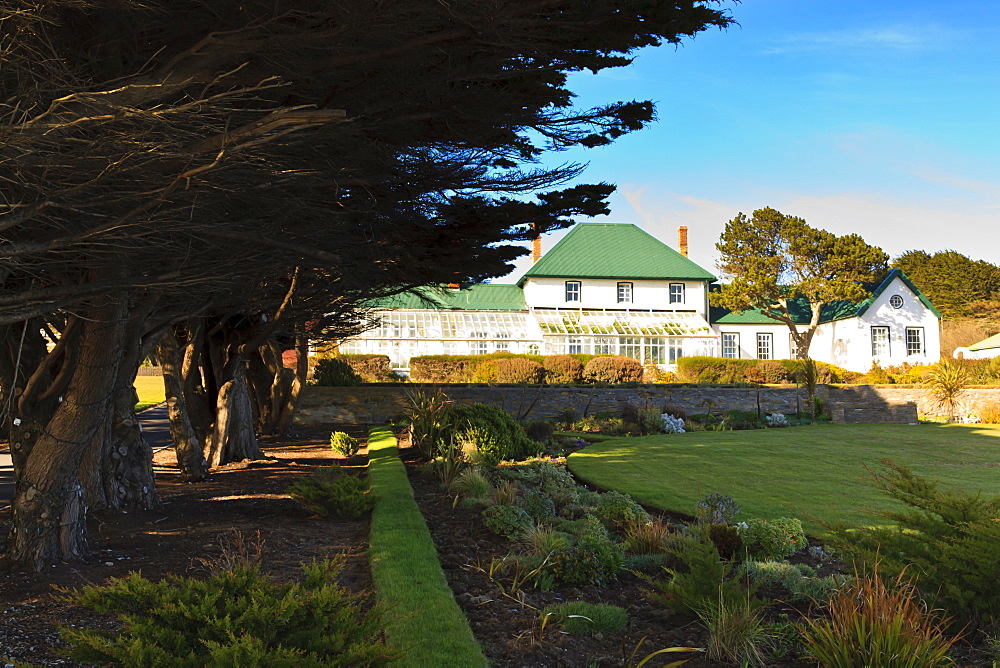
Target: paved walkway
{"x":155,"y":429}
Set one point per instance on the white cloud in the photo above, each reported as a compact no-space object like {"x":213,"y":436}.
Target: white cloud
{"x":899,"y":37}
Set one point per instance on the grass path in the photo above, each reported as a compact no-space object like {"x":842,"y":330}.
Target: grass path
{"x":150,"y":391}
{"x":815,"y":473}
{"x":426,"y":620}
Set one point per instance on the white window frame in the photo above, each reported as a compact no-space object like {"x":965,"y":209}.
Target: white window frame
{"x":765,"y":346}
{"x":731,"y":345}
{"x":881,"y":337}
{"x":793,"y":347}
{"x":625,"y":292}
{"x":915,"y":342}
{"x":677,"y":293}
{"x":574,"y":291}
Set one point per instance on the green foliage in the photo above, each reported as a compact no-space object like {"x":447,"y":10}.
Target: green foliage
{"x":563,"y":370}
{"x":758,"y":254}
{"x":613,"y":370}
{"x":234,"y":617}
{"x":540,"y":431}
{"x":344,"y":444}
{"x":876,"y":624}
{"x":772,"y":539}
{"x":726,"y":539}
{"x":947,"y":382}
{"x":544,"y":540}
{"x":538,"y":505}
{"x":503,"y":436}
{"x":593,"y":560}
{"x":582,"y":618}
{"x":647,"y":563}
{"x":330,"y":494}
{"x":485,"y":372}
{"x":429,"y":422}
{"x":520,"y":371}
{"x":616,"y":510}
{"x":717,"y":508}
{"x":510,"y":521}
{"x":471,"y":483}
{"x":371,"y":368}
{"x":877,"y":375}
{"x":947,"y":540}
{"x":335,"y":372}
{"x":798,"y":579}
{"x":704,"y":579}
{"x":951,"y":280}
{"x":642,"y":421}
{"x":648,"y":537}
{"x":739,"y":420}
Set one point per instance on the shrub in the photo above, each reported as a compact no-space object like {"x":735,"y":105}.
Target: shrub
{"x":884,"y":623}
{"x":703,"y":369}
{"x":717,"y":508}
{"x":616,"y":510}
{"x":726,"y":539}
{"x":613,"y":370}
{"x":485,"y":372}
{"x":344,"y":444}
{"x":776,"y":420}
{"x":519,"y":370}
{"x":538,"y":505}
{"x":740,"y":420}
{"x":766,"y":371}
{"x":948,"y":379}
{"x":948,"y":540}
{"x":989,"y":414}
{"x":428,"y":417}
{"x":736,"y":631}
{"x":234,"y":617}
{"x":544,"y":540}
{"x":510,"y":521}
{"x":335,"y":372}
{"x":593,"y":560}
{"x":563,"y":369}
{"x":371,"y":368}
{"x":798,"y":579}
{"x":506,"y":438}
{"x":643,"y":421}
{"x":772,"y":539}
{"x":877,"y":375}
{"x":443,"y":368}
{"x":671,"y":425}
{"x":540,"y":431}
{"x":471,"y":484}
{"x":331,"y":494}
{"x":582,"y":618}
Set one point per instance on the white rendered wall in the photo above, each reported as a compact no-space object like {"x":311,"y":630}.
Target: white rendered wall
{"x":603,"y":294}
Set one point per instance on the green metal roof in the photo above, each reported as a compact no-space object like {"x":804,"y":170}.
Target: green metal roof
{"x":987,"y":344}
{"x":474,"y":297}
{"x":614,"y":250}
{"x":838,"y":310}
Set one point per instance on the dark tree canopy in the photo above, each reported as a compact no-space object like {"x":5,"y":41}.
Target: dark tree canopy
{"x":957,"y":285}
{"x":771,"y":259}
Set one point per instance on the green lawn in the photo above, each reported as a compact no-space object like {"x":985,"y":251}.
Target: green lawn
{"x":815,"y":473}
{"x":150,"y":389}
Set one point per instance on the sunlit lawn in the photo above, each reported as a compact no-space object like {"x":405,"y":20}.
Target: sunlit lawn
{"x":150,"y":390}
{"x":815,"y":473}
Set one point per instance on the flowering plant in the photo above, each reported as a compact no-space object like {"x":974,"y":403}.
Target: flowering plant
{"x":671,"y":424}
{"x":777,"y":420}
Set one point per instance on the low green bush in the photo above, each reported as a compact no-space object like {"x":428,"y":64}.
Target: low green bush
{"x":506,"y":438}
{"x":538,"y":505}
{"x":344,"y":444}
{"x":594,"y":559}
{"x":740,"y":420}
{"x":617,"y":511}
{"x":371,"y":368}
{"x":332,"y":494}
{"x":799,"y":579}
{"x":335,"y":372}
{"x":582,"y":618}
{"x":234,"y":617}
{"x":772,"y":539}
{"x":512,"y":522}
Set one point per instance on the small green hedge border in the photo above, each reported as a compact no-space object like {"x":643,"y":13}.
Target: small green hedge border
{"x":426,"y":620}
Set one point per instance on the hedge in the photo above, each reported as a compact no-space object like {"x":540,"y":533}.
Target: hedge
{"x":426,"y":620}
{"x":371,"y":368}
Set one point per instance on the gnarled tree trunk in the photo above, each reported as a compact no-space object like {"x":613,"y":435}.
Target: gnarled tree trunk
{"x":233,"y":438}
{"x":189,"y":448}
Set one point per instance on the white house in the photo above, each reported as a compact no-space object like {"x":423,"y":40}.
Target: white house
{"x":987,"y":348}
{"x":614,"y":289}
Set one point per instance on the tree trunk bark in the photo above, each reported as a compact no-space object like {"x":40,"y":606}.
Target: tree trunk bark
{"x":233,"y":438}
{"x":286,"y":425}
{"x":188,"y":447}
{"x":49,"y":513}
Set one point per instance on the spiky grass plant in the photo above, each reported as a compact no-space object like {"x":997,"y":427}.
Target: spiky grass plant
{"x":471,"y":484}
{"x":647,"y":537}
{"x":736,"y":630}
{"x":878,"y":624}
{"x":506,"y":493}
{"x":544,"y":540}
{"x":948,"y":379}
{"x":582,"y":618}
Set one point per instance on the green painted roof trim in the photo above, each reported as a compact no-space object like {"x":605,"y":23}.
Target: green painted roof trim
{"x":898,"y":273}
{"x":614,"y":251}
{"x":987,"y":344}
{"x":839,"y":310}
{"x":474,"y":297}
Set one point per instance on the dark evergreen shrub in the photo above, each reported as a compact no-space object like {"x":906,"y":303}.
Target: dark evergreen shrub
{"x":519,"y":370}
{"x":335,"y":372}
{"x":506,"y":437}
{"x":563,"y":369}
{"x":332,"y":494}
{"x":510,"y":521}
{"x":613,"y":370}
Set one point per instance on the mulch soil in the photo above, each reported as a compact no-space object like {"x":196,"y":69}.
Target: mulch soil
{"x":245,"y":497}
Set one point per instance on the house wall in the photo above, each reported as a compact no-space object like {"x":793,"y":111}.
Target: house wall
{"x":380,"y":403}
{"x":780,"y":337}
{"x":602,"y":294}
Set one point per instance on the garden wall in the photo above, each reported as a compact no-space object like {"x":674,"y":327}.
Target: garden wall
{"x":378,"y":403}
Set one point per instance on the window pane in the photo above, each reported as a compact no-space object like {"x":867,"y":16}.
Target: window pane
{"x":676,"y":293}
{"x":914,"y":341}
{"x":624,"y":293}
{"x":880,"y":341}
{"x":765,"y":348}
{"x":731,"y":345}
{"x":572,"y":291}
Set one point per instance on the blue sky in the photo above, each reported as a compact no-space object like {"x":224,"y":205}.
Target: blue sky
{"x":875,"y":118}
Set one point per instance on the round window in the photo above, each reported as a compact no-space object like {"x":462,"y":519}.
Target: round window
{"x":896,"y":301}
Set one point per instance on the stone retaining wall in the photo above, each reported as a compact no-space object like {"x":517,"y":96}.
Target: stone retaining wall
{"x":378,"y":403}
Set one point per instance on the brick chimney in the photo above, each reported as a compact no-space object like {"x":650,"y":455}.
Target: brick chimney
{"x":536,"y":244}
{"x":682,"y":240}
